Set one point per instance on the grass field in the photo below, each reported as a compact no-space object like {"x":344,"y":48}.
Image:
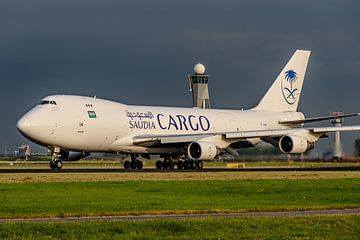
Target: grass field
{"x":156,"y":197}
{"x":346,"y":227}
{"x":84,"y":194}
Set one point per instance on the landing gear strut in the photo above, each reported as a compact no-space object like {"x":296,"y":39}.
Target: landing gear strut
{"x":135,"y":163}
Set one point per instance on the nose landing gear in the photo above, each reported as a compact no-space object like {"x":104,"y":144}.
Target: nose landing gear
{"x":55,"y":162}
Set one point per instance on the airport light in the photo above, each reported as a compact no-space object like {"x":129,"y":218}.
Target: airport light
{"x":338,"y":153}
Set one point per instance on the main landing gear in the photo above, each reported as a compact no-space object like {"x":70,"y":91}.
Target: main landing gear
{"x":135,"y":163}
{"x":168,"y":164}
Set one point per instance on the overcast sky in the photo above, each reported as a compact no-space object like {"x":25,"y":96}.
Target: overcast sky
{"x":140,"y":51}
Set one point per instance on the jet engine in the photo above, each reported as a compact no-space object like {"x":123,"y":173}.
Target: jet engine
{"x":201,"y":150}
{"x":293,"y":144}
{"x":72,"y":156}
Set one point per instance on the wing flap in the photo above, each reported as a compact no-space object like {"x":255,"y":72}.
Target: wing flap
{"x":257,"y":134}
{"x":151,"y":141}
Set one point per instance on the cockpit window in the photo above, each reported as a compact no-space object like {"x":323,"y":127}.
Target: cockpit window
{"x":44,"y":102}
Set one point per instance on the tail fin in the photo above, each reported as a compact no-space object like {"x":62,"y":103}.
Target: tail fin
{"x":284,"y":94}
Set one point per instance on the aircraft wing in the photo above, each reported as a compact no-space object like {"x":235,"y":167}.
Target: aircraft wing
{"x":282,"y":132}
{"x":156,"y":141}
{"x":160,"y":140}
{"x":317,"y":119}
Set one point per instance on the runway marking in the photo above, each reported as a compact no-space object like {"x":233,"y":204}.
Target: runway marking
{"x":306,"y":213}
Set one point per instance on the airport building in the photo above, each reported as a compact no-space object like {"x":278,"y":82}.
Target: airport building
{"x":198,"y":82}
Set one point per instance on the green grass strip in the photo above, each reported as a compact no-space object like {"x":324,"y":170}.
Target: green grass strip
{"x":345,"y":227}
{"x":138,"y":197}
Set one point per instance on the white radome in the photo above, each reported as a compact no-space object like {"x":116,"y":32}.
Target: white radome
{"x":199,"y":68}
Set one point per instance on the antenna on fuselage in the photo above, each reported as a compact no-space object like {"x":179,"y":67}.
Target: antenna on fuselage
{"x":198,"y":86}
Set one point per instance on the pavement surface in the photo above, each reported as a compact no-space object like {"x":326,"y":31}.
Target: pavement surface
{"x":118,"y":170}
{"x":332,"y":212}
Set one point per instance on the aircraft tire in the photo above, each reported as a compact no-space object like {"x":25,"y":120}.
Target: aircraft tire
{"x":187,"y":164}
{"x":166,"y":164}
{"x":159,"y":164}
{"x":180,"y":164}
{"x":58,"y":164}
{"x":139,"y":164}
{"x":127,"y":164}
{"x":192,"y":164}
{"x":171,"y":165}
{"x":199,"y":165}
{"x":133,"y":164}
{"x":52,"y":164}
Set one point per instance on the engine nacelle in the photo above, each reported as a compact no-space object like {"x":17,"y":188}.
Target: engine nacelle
{"x":293,"y":144}
{"x":72,"y":156}
{"x":201,"y":150}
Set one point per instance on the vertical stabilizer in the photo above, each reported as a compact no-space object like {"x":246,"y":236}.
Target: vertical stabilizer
{"x":284,"y":94}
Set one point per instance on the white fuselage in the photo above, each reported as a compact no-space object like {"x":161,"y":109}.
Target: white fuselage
{"x":95,"y":125}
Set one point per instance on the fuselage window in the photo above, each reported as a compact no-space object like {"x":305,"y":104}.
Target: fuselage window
{"x":44,"y":102}
{"x":92,"y":114}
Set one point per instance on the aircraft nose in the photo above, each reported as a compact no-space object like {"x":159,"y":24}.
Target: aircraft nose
{"x":24,"y":125}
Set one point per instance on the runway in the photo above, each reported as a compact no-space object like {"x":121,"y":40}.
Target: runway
{"x":119,"y":170}
{"x":307,"y":213}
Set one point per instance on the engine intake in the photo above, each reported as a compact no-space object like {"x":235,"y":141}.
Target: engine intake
{"x":293,"y":144}
{"x":202,"y":150}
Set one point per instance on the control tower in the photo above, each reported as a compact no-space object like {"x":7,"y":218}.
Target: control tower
{"x":337,"y":145}
{"x":199,"y":87}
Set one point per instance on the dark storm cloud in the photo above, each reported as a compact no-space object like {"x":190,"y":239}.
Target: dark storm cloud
{"x":140,"y":52}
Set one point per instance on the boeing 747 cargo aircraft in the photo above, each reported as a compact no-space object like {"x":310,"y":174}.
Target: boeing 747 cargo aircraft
{"x":73,"y":126}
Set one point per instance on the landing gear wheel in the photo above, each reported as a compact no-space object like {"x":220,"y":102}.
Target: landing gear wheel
{"x":171,"y":165}
{"x":133,"y":164}
{"x":139,"y":164}
{"x":52,"y":164}
{"x":187,"y":164}
{"x":165,"y":164}
{"x":127,"y":164}
{"x":159,"y":164}
{"x":58,"y":164}
{"x":199,"y":165}
{"x":192,"y":164}
{"x":180,"y":164}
